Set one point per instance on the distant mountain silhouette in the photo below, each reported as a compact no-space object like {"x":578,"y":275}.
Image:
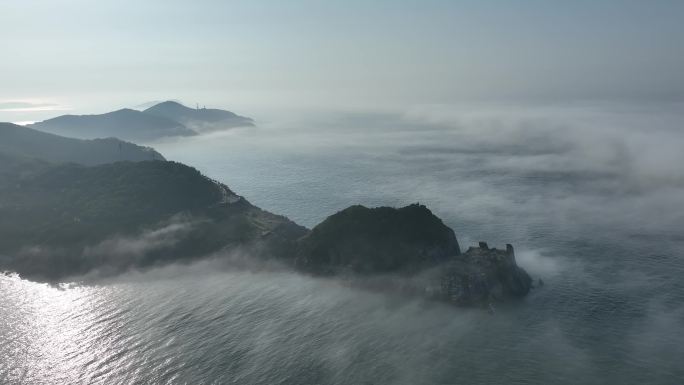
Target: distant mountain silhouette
{"x":199,"y":119}
{"x":146,"y":105}
{"x":126,"y":124}
{"x":24,"y":142}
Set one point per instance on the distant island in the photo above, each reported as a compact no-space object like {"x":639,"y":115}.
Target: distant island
{"x":66,"y":213}
{"x":199,"y":119}
{"x":165,"y":119}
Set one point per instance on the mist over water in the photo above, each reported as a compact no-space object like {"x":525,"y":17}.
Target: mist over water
{"x":590,"y":196}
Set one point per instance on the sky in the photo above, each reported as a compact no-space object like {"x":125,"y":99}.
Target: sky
{"x":80,"y":56}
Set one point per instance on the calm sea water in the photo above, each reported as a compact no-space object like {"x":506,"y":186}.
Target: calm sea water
{"x":592,"y":200}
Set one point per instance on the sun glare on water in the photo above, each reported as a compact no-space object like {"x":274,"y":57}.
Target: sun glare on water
{"x":51,"y":330}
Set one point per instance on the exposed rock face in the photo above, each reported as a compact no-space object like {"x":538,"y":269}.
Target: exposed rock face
{"x":377,"y":240}
{"x":482,"y":275}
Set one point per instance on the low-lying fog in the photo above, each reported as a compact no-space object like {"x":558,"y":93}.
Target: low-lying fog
{"x":591,"y":197}
{"x":605,"y":164}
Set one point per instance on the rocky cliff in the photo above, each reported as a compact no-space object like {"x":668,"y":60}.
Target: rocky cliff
{"x":481,"y":275}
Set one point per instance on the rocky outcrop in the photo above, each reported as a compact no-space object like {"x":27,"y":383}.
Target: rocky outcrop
{"x":482,"y":275}
{"x":411,"y":251}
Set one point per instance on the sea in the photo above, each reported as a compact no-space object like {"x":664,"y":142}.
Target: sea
{"x":590,"y":195}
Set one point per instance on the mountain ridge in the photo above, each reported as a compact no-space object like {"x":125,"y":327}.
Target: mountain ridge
{"x":62,"y":220}
{"x":162,"y":120}
{"x":125,"y":123}
{"x":24,"y":141}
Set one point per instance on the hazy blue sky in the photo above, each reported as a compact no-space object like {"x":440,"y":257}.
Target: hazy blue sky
{"x":92,"y":55}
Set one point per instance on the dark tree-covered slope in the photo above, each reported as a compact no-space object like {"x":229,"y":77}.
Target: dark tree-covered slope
{"x":57,"y":221}
{"x":377,"y":240}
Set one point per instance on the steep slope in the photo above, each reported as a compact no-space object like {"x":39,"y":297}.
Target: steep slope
{"x":377,"y":240}
{"x":63,"y":220}
{"x":481,"y":275}
{"x":200,"y":119}
{"x":410,"y":250}
{"x":22,"y":141}
{"x":57,"y":221}
{"x":124,"y":124}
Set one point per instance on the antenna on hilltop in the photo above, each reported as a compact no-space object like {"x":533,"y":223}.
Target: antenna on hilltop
{"x":197,"y":106}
